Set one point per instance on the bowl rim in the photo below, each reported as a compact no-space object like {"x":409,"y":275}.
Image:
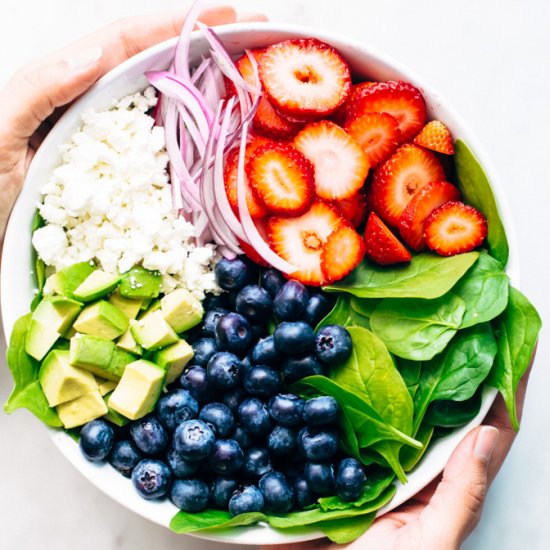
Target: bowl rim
{"x":254,"y":534}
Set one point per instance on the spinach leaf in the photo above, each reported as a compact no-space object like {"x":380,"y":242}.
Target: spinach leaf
{"x":446,"y":413}
{"x":517,"y":328}
{"x":426,"y":276}
{"x":410,"y":457}
{"x":343,"y":314}
{"x":27,"y":392}
{"x":346,"y":530}
{"x":39,"y":267}
{"x":477,"y":191}
{"x":410,"y":372}
{"x":484,"y":290}
{"x":185,"y":522}
{"x":418,"y":329}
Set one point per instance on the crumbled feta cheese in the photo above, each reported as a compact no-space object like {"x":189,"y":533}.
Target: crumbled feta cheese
{"x":110,"y":201}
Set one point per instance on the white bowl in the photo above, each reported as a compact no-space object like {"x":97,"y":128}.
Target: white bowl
{"x":17,"y":283}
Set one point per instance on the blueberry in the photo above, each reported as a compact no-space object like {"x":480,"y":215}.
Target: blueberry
{"x":296,"y":338}
{"x":233,"y":274}
{"x":96,"y":439}
{"x":124,"y":457}
{"x":296,"y":368}
{"x":317,"y":446}
{"x":247,"y":499}
{"x":333,"y":344}
{"x":291,"y":301}
{"x":195,"y":380}
{"x":228,"y":457}
{"x":302,"y":492}
{"x":224,"y":370}
{"x":242,"y":437}
{"x":233,"y":398}
{"x":262,"y":381}
{"x":264,"y":352}
{"x":148,"y":435}
{"x":194,"y":440}
{"x":181,"y":467}
{"x":246,"y":363}
{"x":210,"y":321}
{"x":254,"y":303}
{"x":222,"y":489}
{"x":190,"y":495}
{"x":272,"y":280}
{"x":176,"y":407}
{"x":234,"y":333}
{"x":212,"y":301}
{"x":286,"y":409}
{"x":203,"y":350}
{"x":321,"y":411}
{"x":282,"y":441}
{"x":151,"y":478}
{"x":350,"y":479}
{"x":317,"y":309}
{"x":320,"y":477}
{"x":220,"y":419}
{"x":254,"y":417}
{"x":259,"y":331}
{"x":257,"y":462}
{"x":278,"y":494}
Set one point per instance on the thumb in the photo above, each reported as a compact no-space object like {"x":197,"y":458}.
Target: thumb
{"x":455,"y":508}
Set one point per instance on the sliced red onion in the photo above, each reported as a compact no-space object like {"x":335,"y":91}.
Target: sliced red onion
{"x":199,"y":71}
{"x":181,"y":55}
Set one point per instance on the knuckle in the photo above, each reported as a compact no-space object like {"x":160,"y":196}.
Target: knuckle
{"x":475,"y":494}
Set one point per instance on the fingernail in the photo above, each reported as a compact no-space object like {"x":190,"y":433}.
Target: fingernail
{"x":486,"y":442}
{"x":85,"y":58}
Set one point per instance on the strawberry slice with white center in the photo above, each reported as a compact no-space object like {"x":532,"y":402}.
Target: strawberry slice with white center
{"x":354,"y":208}
{"x":304,"y":78}
{"x":342,"y":253}
{"x":282,"y":179}
{"x":300,"y":240}
{"x":377,"y":133}
{"x":340,"y":165}
{"x":381,"y":245}
{"x":397,"y":181}
{"x":347,"y":108}
{"x":430,"y":197}
{"x":399,"y":99}
{"x":249,"y":250}
{"x":455,"y":228}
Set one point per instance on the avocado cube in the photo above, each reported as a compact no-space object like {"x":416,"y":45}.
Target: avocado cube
{"x":96,"y":285}
{"x":40,"y":339}
{"x":139,"y":282}
{"x":93,"y":354}
{"x":146,"y":303}
{"x":128,"y":306}
{"x":154,"y":305}
{"x":173,"y":359}
{"x":119,"y":361}
{"x":60,"y":381}
{"x":128,"y":343}
{"x":138,"y":390}
{"x":181,"y":310}
{"x":65,"y":281}
{"x":105,"y":386}
{"x":153,"y":332}
{"x":82,"y":410}
{"x":57,"y":312}
{"x":101,"y":319}
{"x":112,"y":416}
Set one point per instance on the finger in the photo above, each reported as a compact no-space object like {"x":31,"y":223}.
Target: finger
{"x":252,"y":18}
{"x":319,"y":544}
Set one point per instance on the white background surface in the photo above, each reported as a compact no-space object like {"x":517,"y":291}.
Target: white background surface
{"x":490,"y":59}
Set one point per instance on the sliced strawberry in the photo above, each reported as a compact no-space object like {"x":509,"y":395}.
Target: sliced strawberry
{"x":377,"y":133}
{"x":250,"y":251}
{"x":455,"y":228}
{"x":282,"y":178}
{"x":381,"y":245}
{"x":304,"y":78}
{"x":255,"y":207}
{"x":347,"y":108}
{"x":340,"y":164}
{"x":342,"y":253}
{"x":353,"y":208}
{"x":397,"y":181}
{"x":401,"y":100}
{"x":436,"y":137}
{"x":300,"y":240}
{"x":430,"y":197}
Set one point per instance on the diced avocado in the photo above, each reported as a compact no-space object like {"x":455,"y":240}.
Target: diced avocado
{"x":40,"y":339}
{"x":118,"y":363}
{"x":181,"y":310}
{"x":139,"y":282}
{"x":101,"y":319}
{"x":112,"y":416}
{"x":146,"y":303}
{"x":106,"y":386}
{"x":173,"y":359}
{"x":153,"y":332}
{"x":69,"y":333}
{"x":96,"y":285}
{"x":81,"y":410}
{"x":66,"y":280}
{"x":128,"y":343}
{"x":138,"y":390}
{"x":61,"y":381}
{"x":57,"y":312}
{"x":92,"y":353}
{"x":128,"y":306}
{"x":154,"y":305}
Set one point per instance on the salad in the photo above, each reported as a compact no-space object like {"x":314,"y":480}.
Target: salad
{"x":264,"y":288}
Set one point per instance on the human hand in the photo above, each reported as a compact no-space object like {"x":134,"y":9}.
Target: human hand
{"x":32,"y":99}
{"x":443,"y":515}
